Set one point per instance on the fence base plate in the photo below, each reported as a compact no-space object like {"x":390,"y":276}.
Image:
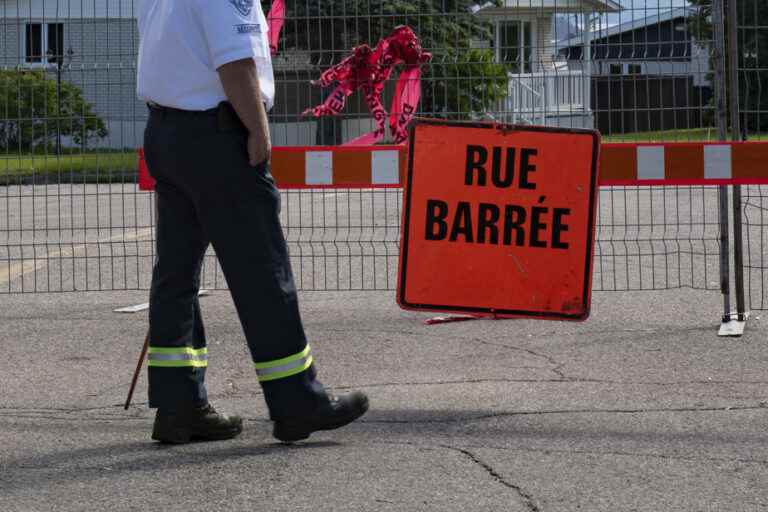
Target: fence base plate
{"x":145,"y":306}
{"x":448,"y":319}
{"x":735,"y":327}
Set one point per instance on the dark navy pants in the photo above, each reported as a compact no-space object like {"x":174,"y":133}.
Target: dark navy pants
{"x":208,"y":194}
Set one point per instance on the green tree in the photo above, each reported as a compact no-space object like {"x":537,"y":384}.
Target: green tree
{"x":752,"y":64}
{"x":29,"y":108}
{"x":461,"y":81}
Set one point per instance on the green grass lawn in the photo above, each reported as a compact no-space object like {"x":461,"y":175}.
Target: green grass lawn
{"x":95,"y":166}
{"x":120,"y":166}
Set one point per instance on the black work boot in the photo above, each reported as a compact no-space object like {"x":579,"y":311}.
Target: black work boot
{"x":197,"y":424}
{"x":331,"y":414}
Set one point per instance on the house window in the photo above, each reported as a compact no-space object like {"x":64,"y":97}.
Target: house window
{"x":515,"y":45}
{"x":634,"y":69}
{"x":34,"y":45}
{"x":44,"y":43}
{"x":616,"y":69}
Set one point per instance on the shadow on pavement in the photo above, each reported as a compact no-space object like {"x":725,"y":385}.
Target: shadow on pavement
{"x":737,"y":428}
{"x":91,"y":463}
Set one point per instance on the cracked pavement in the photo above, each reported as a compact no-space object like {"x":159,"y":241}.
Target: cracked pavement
{"x":631,"y":410}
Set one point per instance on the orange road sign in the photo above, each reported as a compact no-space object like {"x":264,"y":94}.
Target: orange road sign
{"x":499,"y":221}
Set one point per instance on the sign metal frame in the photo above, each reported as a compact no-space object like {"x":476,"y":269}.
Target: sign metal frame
{"x":585,"y":294}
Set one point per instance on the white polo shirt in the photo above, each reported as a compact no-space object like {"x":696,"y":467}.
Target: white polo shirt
{"x":183,"y":42}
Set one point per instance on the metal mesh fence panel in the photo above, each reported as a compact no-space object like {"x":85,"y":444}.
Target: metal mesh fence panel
{"x":647,"y":239}
{"x":657,"y":238}
{"x":101,"y":237}
{"x":752,"y":104}
{"x":71,"y":217}
{"x":755,"y":206}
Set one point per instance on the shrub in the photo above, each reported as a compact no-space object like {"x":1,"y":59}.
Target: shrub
{"x":30,"y":108}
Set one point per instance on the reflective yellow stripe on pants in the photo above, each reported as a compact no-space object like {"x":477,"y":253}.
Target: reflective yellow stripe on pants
{"x":177,"y":357}
{"x":285,"y":367}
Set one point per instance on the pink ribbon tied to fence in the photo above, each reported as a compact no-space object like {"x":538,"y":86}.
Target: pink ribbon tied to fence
{"x":368,"y":70}
{"x":275,"y":20}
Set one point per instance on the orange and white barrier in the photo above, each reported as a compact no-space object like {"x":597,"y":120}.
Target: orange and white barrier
{"x":662,"y":164}
{"x":347,"y":167}
{"x":326,"y":167}
{"x":699,"y":163}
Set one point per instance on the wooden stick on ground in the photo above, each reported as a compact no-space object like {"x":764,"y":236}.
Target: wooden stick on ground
{"x":137,"y":371}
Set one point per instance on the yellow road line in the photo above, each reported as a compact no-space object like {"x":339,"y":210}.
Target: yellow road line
{"x":19,"y":270}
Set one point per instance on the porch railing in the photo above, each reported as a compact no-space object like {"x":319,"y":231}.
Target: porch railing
{"x":535,"y":97}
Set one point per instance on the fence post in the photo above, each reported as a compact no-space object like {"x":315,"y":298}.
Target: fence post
{"x":721,"y":120}
{"x":738,"y":235}
{"x":586,"y":69}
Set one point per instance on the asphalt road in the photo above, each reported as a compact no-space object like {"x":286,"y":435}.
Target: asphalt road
{"x":640,"y":408}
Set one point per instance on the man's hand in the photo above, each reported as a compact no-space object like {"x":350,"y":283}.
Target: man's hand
{"x":241,"y":85}
{"x":259,"y":148}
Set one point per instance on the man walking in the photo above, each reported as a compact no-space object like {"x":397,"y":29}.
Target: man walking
{"x":205,"y":71}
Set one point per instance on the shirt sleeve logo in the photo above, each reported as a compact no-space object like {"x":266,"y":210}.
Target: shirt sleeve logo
{"x":243,"y":6}
{"x":249,"y":28}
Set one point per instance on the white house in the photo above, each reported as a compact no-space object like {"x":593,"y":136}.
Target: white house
{"x":540,"y":92}
{"x":660,"y":44}
{"x":92,"y":45}
{"x":650,"y":72}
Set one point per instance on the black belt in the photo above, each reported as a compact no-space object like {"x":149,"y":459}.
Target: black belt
{"x":226,"y":117}
{"x":177,"y":111}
